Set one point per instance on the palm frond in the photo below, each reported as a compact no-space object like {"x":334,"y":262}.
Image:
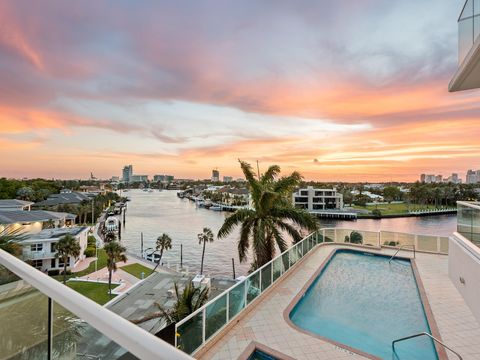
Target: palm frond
{"x":292,"y":231}
{"x":270,"y":174}
{"x":299,"y":217}
{"x":233,"y":220}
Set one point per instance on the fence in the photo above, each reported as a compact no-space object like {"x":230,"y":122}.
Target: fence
{"x":196,"y":329}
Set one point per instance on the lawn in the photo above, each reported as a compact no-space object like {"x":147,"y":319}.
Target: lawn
{"x":394,"y":209}
{"x":137,"y":269}
{"x":97,"y":292}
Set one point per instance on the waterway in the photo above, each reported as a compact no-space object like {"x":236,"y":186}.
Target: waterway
{"x":154,"y":213}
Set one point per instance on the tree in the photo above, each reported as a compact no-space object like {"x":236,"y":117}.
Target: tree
{"x":9,"y":240}
{"x":67,"y":247}
{"x":264,"y":226}
{"x":110,"y":236}
{"x":204,"y":237}
{"x":356,"y":237}
{"x":26,"y":193}
{"x":115,"y":253}
{"x":391,"y":193}
{"x":187,"y":302}
{"x":164,"y":242}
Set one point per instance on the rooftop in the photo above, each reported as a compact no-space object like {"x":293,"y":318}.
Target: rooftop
{"x":51,"y":234}
{"x":14,"y":202}
{"x":20,"y":216}
{"x":64,"y":198}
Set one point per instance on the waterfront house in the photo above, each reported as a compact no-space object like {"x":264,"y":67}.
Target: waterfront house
{"x":63,"y":198}
{"x":40,"y":249}
{"x":34,"y":221}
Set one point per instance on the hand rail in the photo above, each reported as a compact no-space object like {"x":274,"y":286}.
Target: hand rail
{"x":400,"y":248}
{"x":431,"y":337}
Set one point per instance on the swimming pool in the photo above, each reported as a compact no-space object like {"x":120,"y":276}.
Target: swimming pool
{"x":364,"y":302}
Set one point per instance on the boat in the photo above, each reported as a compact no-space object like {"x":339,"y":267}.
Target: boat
{"x":216,"y":208}
{"x":153,"y":257}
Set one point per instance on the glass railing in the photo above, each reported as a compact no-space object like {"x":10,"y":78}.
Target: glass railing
{"x":468,"y":221}
{"x":468,"y":28}
{"x":196,"y":329}
{"x":43,"y":319}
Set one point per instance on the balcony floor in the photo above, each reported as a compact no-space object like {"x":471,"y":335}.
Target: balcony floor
{"x":265,"y":324}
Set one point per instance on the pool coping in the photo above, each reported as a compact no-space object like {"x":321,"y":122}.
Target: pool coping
{"x":442,"y":355}
{"x":255,"y":345}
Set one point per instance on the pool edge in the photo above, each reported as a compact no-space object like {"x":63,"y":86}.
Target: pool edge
{"x":441,"y":353}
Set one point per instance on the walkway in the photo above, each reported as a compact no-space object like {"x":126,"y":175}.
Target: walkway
{"x":264,"y":321}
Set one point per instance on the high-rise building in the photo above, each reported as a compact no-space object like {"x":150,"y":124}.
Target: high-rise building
{"x":227,"y":179}
{"x":422,"y":178}
{"x":215,"y":175}
{"x":127,"y":173}
{"x":473,"y":177}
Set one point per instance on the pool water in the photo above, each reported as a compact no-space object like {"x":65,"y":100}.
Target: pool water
{"x":363,"y":301}
{"x":260,"y":355}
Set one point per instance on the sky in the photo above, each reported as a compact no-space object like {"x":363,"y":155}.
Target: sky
{"x":352,"y":90}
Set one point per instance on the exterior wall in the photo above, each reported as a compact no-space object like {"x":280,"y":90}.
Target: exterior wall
{"x":464,"y":270}
{"x":313,"y":199}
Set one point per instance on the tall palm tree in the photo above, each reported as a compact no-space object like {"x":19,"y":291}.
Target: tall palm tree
{"x":204,"y":237}
{"x":164,"y":242}
{"x":187,"y":302}
{"x":264,"y":226}
{"x":67,"y":247}
{"x":115,"y":253}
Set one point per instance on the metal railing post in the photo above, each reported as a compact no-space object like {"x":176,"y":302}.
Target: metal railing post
{"x":204,"y":320}
{"x":50,"y":329}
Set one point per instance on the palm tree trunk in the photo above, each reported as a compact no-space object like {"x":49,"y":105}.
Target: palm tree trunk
{"x":64,"y":271}
{"x":158,"y":262}
{"x":110,"y":282}
{"x":203,"y":254}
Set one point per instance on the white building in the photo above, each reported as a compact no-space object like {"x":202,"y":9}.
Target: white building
{"x":473,"y":177}
{"x":138,"y":178}
{"x":312,"y":199}
{"x":34,"y":221}
{"x":40,"y":249}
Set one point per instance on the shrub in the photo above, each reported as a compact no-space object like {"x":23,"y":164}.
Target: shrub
{"x":376,"y":213}
{"x":90,"y":251}
{"x":356,"y":237}
{"x":91,"y":240}
{"x":53,"y":272}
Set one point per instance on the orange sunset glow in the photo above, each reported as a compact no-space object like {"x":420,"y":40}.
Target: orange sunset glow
{"x":338,"y":91}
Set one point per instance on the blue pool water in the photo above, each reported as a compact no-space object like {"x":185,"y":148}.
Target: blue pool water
{"x":260,"y":355}
{"x":365,"y":302}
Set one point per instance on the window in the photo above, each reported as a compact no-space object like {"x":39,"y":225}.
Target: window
{"x":53,"y":263}
{"x":53,"y":247}
{"x":37,"y":264}
{"x":36,"y":247}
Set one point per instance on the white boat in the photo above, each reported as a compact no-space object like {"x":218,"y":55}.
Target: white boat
{"x":216,"y":208}
{"x":153,"y":257}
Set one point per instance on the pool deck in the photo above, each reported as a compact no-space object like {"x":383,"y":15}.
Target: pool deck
{"x":264,"y":321}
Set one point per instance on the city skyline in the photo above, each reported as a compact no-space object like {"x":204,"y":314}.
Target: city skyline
{"x":313,"y":87}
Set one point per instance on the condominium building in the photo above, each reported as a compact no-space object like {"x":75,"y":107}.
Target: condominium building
{"x":127,"y":173}
{"x":227,"y":179}
{"x":163,"y":178}
{"x":138,"y":178}
{"x":215,"y":175}
{"x":473,"y":177}
{"x":313,"y":199}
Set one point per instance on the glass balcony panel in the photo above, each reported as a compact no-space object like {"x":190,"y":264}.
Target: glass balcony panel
{"x":467,"y":10}
{"x":278,"y":267}
{"x":286,"y":264}
{"x":330,"y":235}
{"x":266,"y":276}
{"x":23,"y":319}
{"x":253,"y":287}
{"x":216,"y":316}
{"x":74,"y":338}
{"x":465,"y":38}
{"x":427,"y":243}
{"x":370,"y":238}
{"x":236,"y":299}
{"x":476,"y":27}
{"x":189,"y":334}
{"x":343,"y":235}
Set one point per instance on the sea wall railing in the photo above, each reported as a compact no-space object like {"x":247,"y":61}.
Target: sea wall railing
{"x":195,"y":330}
{"x":43,"y":319}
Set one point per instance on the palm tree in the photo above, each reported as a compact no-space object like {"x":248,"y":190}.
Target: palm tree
{"x":204,"y":237}
{"x":163,"y":243}
{"x":187,"y":302}
{"x":67,"y":247}
{"x":110,"y":236}
{"x":263,"y":227}
{"x":9,"y":240}
{"x":115,"y":253}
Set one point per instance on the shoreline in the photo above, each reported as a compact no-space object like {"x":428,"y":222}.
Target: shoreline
{"x":393,"y":216}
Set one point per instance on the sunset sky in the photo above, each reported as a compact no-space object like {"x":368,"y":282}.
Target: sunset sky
{"x":339,"y":90}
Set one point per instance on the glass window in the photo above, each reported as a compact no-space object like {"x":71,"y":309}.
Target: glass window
{"x":37,"y":264}
{"x":36,"y":247}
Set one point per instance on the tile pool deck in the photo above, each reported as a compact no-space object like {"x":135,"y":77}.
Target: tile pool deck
{"x":264,"y":323}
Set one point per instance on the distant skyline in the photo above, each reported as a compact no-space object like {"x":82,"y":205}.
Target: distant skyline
{"x":340,"y":91}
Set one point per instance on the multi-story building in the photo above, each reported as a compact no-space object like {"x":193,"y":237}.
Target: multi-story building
{"x":473,"y":177}
{"x":312,"y":199}
{"x":127,"y":173}
{"x":431,"y":178}
{"x":163,"y":178}
{"x":215,"y":175}
{"x":227,"y":179}
{"x":138,"y":178}
{"x":40,"y":249}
